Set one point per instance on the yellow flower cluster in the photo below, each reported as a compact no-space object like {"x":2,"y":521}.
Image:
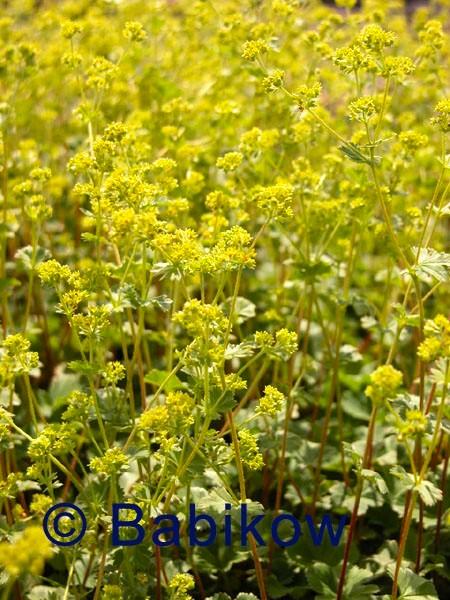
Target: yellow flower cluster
{"x":414,"y":425}
{"x":180,"y":585}
{"x":201,"y":319}
{"x":249,"y":451}
{"x":385,"y":381}
{"x":154,"y":419}
{"x":437,"y":339}
{"x":26,"y":553}
{"x":111,"y":463}
{"x":271,"y":401}
{"x":16,"y":358}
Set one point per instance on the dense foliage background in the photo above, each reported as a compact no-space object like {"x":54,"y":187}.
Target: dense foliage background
{"x":223,"y":279}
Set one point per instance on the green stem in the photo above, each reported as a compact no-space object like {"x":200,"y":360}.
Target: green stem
{"x":31,"y":278}
{"x":359,"y":490}
{"x":402,"y":543}
{"x":243,"y":494}
{"x":383,"y":108}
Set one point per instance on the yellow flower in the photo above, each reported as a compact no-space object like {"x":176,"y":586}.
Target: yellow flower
{"x":385,"y":382}
{"x":307,"y":97}
{"x":254,"y":48}
{"x":442,"y":116}
{"x":230,"y":161}
{"x":134,"y":31}
{"x":112,"y":462}
{"x":25,"y":554}
{"x":249,"y":451}
{"x":113,"y":372}
{"x":271,"y":401}
{"x":180,"y":585}
{"x":415,"y":424}
{"x":429,"y":349}
{"x":154,"y":419}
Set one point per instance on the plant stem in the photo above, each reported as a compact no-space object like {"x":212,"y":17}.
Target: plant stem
{"x":402,"y":543}
{"x":358,"y":493}
{"x":240,"y":470}
{"x":421,"y":476}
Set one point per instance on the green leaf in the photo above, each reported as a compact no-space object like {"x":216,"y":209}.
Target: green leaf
{"x":352,"y":455}
{"x":239,"y":350}
{"x":276,"y":589}
{"x":443,"y":210}
{"x":356,"y":585}
{"x":62,"y":384}
{"x":45,"y":592}
{"x":433,"y":264}
{"x":163,"y":269}
{"x":227,"y":402}
{"x":349,"y":353}
{"x":438,"y":373}
{"x":88,"y":236}
{"x":24,"y":256}
{"x":358,"y":407}
{"x":211,"y":501}
{"x":322,"y":580}
{"x":157,"y":376}
{"x":446,"y":162}
{"x":7,"y":283}
{"x":220,"y":562}
{"x":376,"y":479}
{"x":243,"y":309}
{"x":126,"y":297}
{"x":412,"y":586}
{"x":353,"y":152}
{"x":163,"y":302}
{"x":429,"y":493}
{"x":79,"y":366}
{"x":312,"y":270}
{"x":404,"y":318}
{"x":401,"y":474}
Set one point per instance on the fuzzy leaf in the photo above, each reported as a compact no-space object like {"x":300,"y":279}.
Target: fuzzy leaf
{"x":24,"y":256}
{"x":433,"y":264}
{"x":239,"y":350}
{"x":243,"y":310}
{"x":157,"y":376}
{"x":414,"y":587}
{"x":446,"y":162}
{"x":163,"y":302}
{"x":353,"y":152}
{"x":429,"y":493}
{"x":376,"y":479}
